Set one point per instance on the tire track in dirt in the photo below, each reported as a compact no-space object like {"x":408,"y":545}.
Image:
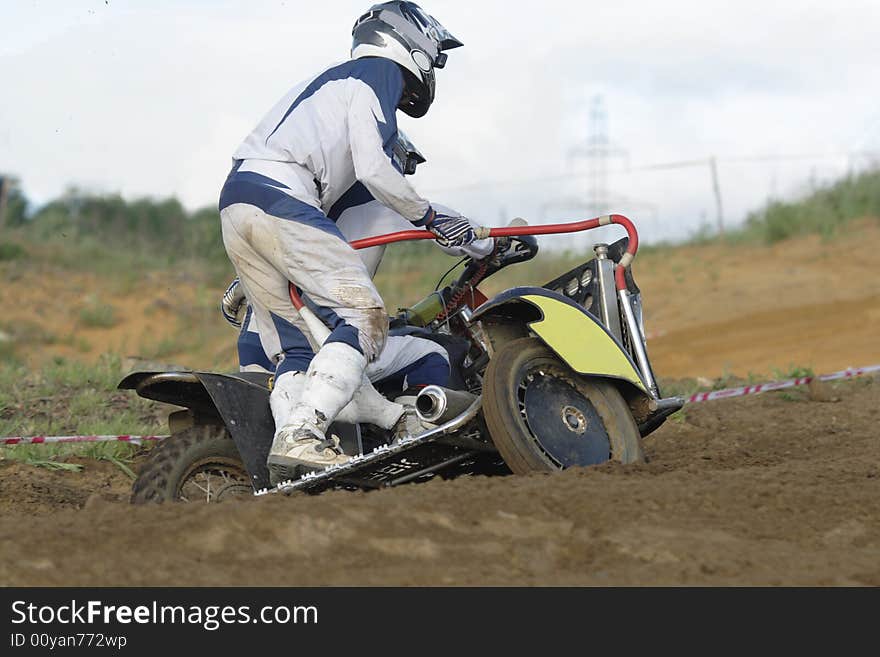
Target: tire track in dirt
{"x":770,"y":489}
{"x":825,"y":337}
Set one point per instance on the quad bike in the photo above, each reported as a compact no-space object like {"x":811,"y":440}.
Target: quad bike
{"x":542,"y":379}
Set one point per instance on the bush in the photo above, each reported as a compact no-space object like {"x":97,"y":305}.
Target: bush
{"x":97,"y":314}
{"x":824,"y":211}
{"x":10,"y":251}
{"x":154,"y":232}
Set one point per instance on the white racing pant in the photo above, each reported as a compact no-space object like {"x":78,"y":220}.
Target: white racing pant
{"x":268,"y":251}
{"x":415,"y":360}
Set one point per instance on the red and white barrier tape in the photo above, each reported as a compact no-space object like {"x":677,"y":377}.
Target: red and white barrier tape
{"x":756,"y":388}
{"x":727,"y":393}
{"x":39,"y":440}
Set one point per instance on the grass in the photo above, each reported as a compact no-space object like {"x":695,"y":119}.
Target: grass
{"x":73,"y":398}
{"x":51,"y":464}
{"x":11,"y":251}
{"x":793,"y":372}
{"x":96,"y":314}
{"x":33,"y":333}
{"x":52,"y":456}
{"x":824,"y":211}
{"x":689,"y":386}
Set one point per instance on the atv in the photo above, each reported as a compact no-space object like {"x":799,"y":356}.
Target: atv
{"x":542,"y":379}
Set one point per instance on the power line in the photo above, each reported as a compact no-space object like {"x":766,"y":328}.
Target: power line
{"x":681,"y":164}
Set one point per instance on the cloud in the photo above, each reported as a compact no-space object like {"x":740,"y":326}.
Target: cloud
{"x":153,"y":98}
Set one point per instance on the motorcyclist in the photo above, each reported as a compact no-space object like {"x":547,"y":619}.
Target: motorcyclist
{"x":411,"y":361}
{"x":327,"y":133}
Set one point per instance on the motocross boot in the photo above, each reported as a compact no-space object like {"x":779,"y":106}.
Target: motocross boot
{"x":297,"y":450}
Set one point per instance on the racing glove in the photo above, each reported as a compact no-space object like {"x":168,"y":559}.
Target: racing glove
{"x":233,"y":305}
{"x":450,"y":230}
{"x":478,"y":249}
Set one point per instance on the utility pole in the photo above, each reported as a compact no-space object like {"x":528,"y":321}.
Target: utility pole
{"x":719,"y":212}
{"x":4,"y":192}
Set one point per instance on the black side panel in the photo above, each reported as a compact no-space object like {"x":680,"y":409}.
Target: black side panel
{"x":588,"y":295}
{"x":244,"y":407}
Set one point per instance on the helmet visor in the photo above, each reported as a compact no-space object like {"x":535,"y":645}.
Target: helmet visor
{"x":432,"y":27}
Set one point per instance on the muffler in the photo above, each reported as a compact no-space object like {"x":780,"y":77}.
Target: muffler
{"x":437,"y":405}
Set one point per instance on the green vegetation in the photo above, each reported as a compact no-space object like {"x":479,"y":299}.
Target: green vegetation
{"x":793,"y":372}
{"x":824,"y":211}
{"x":122,"y":240}
{"x":53,"y":456}
{"x":97,"y":314}
{"x":72,"y":398}
{"x":11,"y":251}
{"x":109,"y":235}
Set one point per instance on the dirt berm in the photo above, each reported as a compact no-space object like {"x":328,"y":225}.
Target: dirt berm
{"x":773,"y":489}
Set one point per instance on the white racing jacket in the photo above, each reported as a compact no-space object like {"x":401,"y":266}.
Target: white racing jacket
{"x":325,"y":135}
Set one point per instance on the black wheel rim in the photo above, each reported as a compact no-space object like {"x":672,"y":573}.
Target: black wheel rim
{"x":561,"y":420}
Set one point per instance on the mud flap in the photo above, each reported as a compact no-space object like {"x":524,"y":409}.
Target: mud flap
{"x":244,"y":407}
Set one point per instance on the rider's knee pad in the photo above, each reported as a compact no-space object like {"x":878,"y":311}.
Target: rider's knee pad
{"x":372,"y":326}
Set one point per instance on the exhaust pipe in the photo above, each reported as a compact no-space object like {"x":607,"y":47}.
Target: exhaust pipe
{"x":438,"y":405}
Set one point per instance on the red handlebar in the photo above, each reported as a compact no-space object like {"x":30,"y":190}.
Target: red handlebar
{"x":514,"y":231}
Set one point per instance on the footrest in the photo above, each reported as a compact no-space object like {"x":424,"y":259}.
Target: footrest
{"x":390,"y":463}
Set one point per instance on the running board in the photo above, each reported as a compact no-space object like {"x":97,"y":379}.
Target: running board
{"x":374,"y":458}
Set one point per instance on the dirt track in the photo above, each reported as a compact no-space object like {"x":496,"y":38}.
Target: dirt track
{"x":772,"y":489}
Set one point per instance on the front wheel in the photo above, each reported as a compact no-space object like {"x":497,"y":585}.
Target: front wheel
{"x":199,"y":464}
{"x":544,"y":417}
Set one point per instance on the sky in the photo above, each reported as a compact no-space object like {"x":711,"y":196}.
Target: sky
{"x":151,"y":97}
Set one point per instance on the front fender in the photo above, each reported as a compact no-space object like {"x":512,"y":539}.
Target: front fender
{"x":576,"y":336}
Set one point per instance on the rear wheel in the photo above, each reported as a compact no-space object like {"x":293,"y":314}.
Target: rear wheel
{"x":199,"y":464}
{"x":543,"y":416}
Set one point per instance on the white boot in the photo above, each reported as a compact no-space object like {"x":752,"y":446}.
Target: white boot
{"x":333,"y":377}
{"x":286,"y":394}
{"x":367,"y":405}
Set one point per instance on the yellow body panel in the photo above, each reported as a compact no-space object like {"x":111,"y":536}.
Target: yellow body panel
{"x":581,"y":342}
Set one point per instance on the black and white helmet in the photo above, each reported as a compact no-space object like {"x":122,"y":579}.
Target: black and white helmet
{"x":403,"y":33}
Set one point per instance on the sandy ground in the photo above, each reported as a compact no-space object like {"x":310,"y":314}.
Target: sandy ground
{"x":779,"y":488}
{"x":719,"y":310}
{"x":772,"y":489}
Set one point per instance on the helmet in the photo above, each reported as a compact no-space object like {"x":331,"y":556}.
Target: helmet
{"x":403,"y":33}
